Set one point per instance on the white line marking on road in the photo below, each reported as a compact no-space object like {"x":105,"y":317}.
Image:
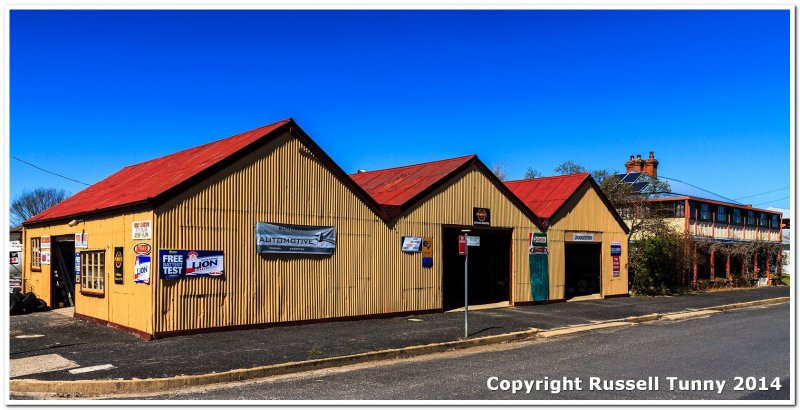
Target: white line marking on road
{"x":92,"y":368}
{"x":27,"y":336}
{"x":40,"y":364}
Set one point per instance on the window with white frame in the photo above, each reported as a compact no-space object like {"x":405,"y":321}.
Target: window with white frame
{"x":93,"y":271}
{"x":36,"y":254}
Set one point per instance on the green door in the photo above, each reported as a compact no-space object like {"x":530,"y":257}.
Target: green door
{"x":540,"y":283}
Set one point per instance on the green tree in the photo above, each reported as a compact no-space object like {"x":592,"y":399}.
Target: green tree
{"x":569,"y":167}
{"x":532,"y":173}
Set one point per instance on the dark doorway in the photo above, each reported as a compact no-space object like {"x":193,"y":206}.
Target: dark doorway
{"x":581,"y":269}
{"x":62,"y":264}
{"x":489,"y":267}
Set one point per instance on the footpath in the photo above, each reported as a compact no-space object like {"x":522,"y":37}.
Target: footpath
{"x":50,"y":351}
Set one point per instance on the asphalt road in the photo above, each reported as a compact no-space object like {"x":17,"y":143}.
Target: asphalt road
{"x":745,"y":343}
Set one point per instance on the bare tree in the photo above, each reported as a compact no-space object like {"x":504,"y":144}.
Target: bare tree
{"x":31,"y":203}
{"x":499,"y":170}
{"x":569,"y":167}
{"x":532,"y":173}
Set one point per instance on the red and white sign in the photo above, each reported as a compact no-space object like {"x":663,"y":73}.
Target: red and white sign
{"x":462,"y":244}
{"x":211,"y":265}
{"x":45,"y":242}
{"x":45,"y":255}
{"x":142,"y":230}
{"x":615,"y":266}
{"x":82,"y":240}
{"x":142,"y":248}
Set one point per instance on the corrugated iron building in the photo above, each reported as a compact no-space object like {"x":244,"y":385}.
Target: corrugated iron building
{"x":109,"y":238}
{"x":581,"y":227}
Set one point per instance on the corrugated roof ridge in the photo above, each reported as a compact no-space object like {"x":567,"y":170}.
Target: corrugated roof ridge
{"x":418,"y":164}
{"x":549,"y":177}
{"x":276,"y":123}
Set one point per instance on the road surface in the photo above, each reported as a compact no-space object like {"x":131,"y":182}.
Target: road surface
{"x":698,"y":354}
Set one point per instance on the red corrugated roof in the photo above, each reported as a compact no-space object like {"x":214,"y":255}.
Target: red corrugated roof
{"x":397,"y":186}
{"x":144,"y":181}
{"x":544,"y":196}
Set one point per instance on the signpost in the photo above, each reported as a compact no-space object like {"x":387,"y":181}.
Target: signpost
{"x":463,"y":249}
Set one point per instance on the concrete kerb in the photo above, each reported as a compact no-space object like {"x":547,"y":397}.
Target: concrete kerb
{"x":98,"y":387}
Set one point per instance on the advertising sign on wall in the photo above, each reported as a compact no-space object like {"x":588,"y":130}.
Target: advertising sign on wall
{"x":141,"y":269}
{"x":177,"y":264}
{"x":427,"y":252}
{"x":615,"y":266}
{"x":538,"y":244}
{"x":45,"y":257}
{"x":283,"y":238}
{"x":77,"y":267}
{"x":411,"y":244}
{"x":82,"y":240}
{"x":481,"y":216}
{"x":583,"y":237}
{"x":44,"y":242}
{"x":616,"y":249}
{"x":141,"y":230}
{"x":118,"y":276}
{"x":142,"y":248}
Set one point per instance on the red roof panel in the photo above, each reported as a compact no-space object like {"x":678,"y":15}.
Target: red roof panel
{"x":140,"y":182}
{"x":397,"y":186}
{"x":544,"y":196}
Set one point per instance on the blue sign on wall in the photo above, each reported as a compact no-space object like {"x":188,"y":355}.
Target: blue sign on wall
{"x":77,"y":267}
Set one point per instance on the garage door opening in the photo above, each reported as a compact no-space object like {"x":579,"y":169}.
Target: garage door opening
{"x":489,"y":267}
{"x":581,"y":269}
{"x":62,"y":264}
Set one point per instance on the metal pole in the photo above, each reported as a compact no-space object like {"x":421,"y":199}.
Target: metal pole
{"x":466,"y":300}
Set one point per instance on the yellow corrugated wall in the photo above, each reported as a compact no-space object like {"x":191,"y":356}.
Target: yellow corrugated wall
{"x":282,"y":182}
{"x":129,"y":304}
{"x":586,"y":212}
{"x":453,"y":204}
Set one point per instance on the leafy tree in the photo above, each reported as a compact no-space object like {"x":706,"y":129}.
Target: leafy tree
{"x":532,"y":173}
{"x":569,"y":167}
{"x":31,"y":203}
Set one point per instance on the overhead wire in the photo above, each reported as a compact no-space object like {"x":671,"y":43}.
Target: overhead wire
{"x":768,"y":192}
{"x":48,"y":171}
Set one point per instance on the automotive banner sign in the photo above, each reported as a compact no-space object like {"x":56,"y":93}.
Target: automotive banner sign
{"x":177,"y":264}
{"x":283,"y":238}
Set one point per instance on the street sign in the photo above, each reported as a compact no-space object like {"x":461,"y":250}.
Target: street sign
{"x":473,"y":241}
{"x":462,"y":245}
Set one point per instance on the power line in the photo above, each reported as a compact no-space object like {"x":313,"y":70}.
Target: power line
{"x":49,"y":172}
{"x":768,"y":192}
{"x":775,"y":200}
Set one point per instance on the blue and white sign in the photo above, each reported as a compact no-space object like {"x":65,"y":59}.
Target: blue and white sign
{"x":141,"y":269}
{"x":177,"y":264}
{"x":616,"y":249}
{"x":77,"y":267}
{"x":411,"y":244}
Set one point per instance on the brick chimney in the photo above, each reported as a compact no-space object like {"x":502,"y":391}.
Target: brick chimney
{"x":648,"y":166}
{"x":634,"y":164}
{"x":651,"y":166}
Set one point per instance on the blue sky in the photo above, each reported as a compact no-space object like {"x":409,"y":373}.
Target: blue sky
{"x":708,"y":91}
